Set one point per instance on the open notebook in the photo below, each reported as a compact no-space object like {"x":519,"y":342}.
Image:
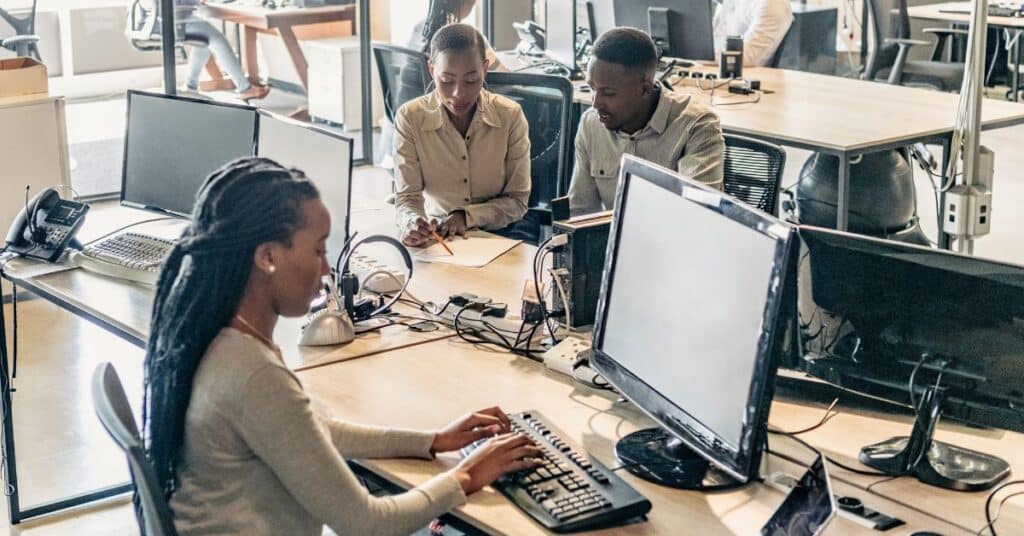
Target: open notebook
{"x":476,"y":250}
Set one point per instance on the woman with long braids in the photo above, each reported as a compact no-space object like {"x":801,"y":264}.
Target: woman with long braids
{"x":233,"y":436}
{"x":441,"y":13}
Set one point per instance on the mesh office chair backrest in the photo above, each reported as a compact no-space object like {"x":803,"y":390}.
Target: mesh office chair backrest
{"x":881,"y":54}
{"x":111,"y":406}
{"x":404,"y":75}
{"x":753,"y":172}
{"x":547,"y":103}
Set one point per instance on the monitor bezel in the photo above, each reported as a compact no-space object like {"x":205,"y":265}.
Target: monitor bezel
{"x":741,"y":461}
{"x":124,"y":156}
{"x":336,"y":135}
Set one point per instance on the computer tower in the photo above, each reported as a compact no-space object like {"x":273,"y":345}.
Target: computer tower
{"x":580,"y":265}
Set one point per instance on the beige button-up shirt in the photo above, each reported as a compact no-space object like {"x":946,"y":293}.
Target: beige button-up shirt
{"x":681,"y":135}
{"x":486,"y":173}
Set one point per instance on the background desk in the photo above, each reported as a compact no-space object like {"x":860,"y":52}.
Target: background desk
{"x":427,"y":385}
{"x":283,"y":22}
{"x":935,"y":12}
{"x":839,"y":116}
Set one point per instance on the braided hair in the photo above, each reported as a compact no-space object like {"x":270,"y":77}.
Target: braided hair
{"x":439,"y":13}
{"x":246,"y":203}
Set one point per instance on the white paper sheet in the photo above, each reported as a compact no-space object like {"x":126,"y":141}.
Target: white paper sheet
{"x":476,"y":250}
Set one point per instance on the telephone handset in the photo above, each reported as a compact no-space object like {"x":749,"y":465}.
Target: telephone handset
{"x":46,"y":226}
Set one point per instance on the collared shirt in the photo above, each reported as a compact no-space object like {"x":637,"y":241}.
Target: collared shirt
{"x":762,"y":24}
{"x":437,"y":170}
{"x":681,"y":135}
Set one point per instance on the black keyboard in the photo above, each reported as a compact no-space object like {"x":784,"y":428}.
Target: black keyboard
{"x":570,"y":491}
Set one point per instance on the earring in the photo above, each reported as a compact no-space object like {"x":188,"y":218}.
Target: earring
{"x":271,"y":269}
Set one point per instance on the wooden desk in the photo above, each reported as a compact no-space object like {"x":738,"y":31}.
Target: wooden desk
{"x":426,"y":385}
{"x":843,"y":436}
{"x":282,"y":22}
{"x":839,"y":116}
{"x":940,"y":12}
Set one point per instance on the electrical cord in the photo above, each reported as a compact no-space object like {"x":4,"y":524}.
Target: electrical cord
{"x":829,"y":415}
{"x":828,"y":459}
{"x":564,"y":295}
{"x":990,"y":522}
{"x":538,"y":260}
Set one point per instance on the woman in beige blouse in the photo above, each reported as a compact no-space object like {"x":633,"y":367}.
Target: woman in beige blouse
{"x":462,"y":153}
{"x":231,"y":433}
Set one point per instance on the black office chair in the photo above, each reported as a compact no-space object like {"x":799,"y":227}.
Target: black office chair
{"x":404,"y":75}
{"x":887,"y":59}
{"x":547,"y":104}
{"x":111,"y":406}
{"x":24,"y":42}
{"x":753,"y":172}
{"x":143,"y":29}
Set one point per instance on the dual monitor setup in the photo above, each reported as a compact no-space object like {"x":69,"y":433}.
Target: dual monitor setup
{"x":692,"y":325}
{"x":680,"y":28}
{"x":172,"y":144}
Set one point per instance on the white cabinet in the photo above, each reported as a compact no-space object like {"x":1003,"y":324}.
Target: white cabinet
{"x":335,"y":82}
{"x":33,"y":151}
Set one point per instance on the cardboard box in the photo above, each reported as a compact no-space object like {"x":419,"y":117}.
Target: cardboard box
{"x":22,"y":76}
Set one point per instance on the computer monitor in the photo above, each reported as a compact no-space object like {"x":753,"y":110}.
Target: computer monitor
{"x":933,"y":329}
{"x":324,"y":156}
{"x":560,"y":34}
{"x":688,"y":325}
{"x":172,"y":144}
{"x":681,"y":28}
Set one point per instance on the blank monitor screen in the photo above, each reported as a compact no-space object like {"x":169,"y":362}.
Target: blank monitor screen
{"x":325,"y":157}
{"x":691,"y":288}
{"x":172,"y":144}
{"x":561,"y":32}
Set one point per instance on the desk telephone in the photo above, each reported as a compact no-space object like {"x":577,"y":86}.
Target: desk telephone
{"x":46,"y":226}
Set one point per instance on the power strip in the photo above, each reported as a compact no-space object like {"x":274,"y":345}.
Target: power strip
{"x":567,"y":354}
{"x":381,"y":283}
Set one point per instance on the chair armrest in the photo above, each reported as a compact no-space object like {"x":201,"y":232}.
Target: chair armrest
{"x":905,"y":42}
{"x":945,"y":31}
{"x":19,"y":40}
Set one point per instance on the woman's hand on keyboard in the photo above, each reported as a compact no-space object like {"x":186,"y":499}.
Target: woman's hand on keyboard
{"x":471,"y":427}
{"x":506,"y":453}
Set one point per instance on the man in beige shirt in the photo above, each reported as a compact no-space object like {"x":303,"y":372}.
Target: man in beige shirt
{"x":462,"y":154}
{"x":633,"y":114}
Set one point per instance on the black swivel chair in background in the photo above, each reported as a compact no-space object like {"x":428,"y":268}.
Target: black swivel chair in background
{"x":753,"y":172}
{"x":404,"y":75}
{"x":24,"y":42}
{"x":111,"y":406}
{"x":887,"y":59}
{"x":547,"y":103}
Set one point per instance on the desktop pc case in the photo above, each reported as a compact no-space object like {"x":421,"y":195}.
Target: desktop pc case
{"x":580,"y":264}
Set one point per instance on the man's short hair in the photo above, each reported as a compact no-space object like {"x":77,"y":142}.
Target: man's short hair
{"x":628,"y":47}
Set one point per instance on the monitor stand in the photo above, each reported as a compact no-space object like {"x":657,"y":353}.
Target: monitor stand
{"x":934,"y":462}
{"x":657,"y":456}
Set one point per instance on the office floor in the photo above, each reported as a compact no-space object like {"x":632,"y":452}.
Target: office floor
{"x":63,"y":450}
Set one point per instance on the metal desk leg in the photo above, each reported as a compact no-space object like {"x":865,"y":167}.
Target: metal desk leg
{"x":843,"y":193}
{"x":944,"y":240}
{"x":1015,"y":76}
{"x":10,"y":466}
{"x":15,"y":513}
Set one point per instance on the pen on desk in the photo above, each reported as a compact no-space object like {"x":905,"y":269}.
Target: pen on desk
{"x":441,"y":241}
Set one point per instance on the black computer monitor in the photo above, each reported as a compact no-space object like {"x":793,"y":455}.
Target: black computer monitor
{"x":688,"y":325}
{"x":560,"y":34}
{"x":172,"y":144}
{"x":681,"y":28}
{"x":940,"y":331}
{"x":324,"y":156}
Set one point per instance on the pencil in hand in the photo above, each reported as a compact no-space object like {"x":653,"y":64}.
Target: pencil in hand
{"x":441,"y":241}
